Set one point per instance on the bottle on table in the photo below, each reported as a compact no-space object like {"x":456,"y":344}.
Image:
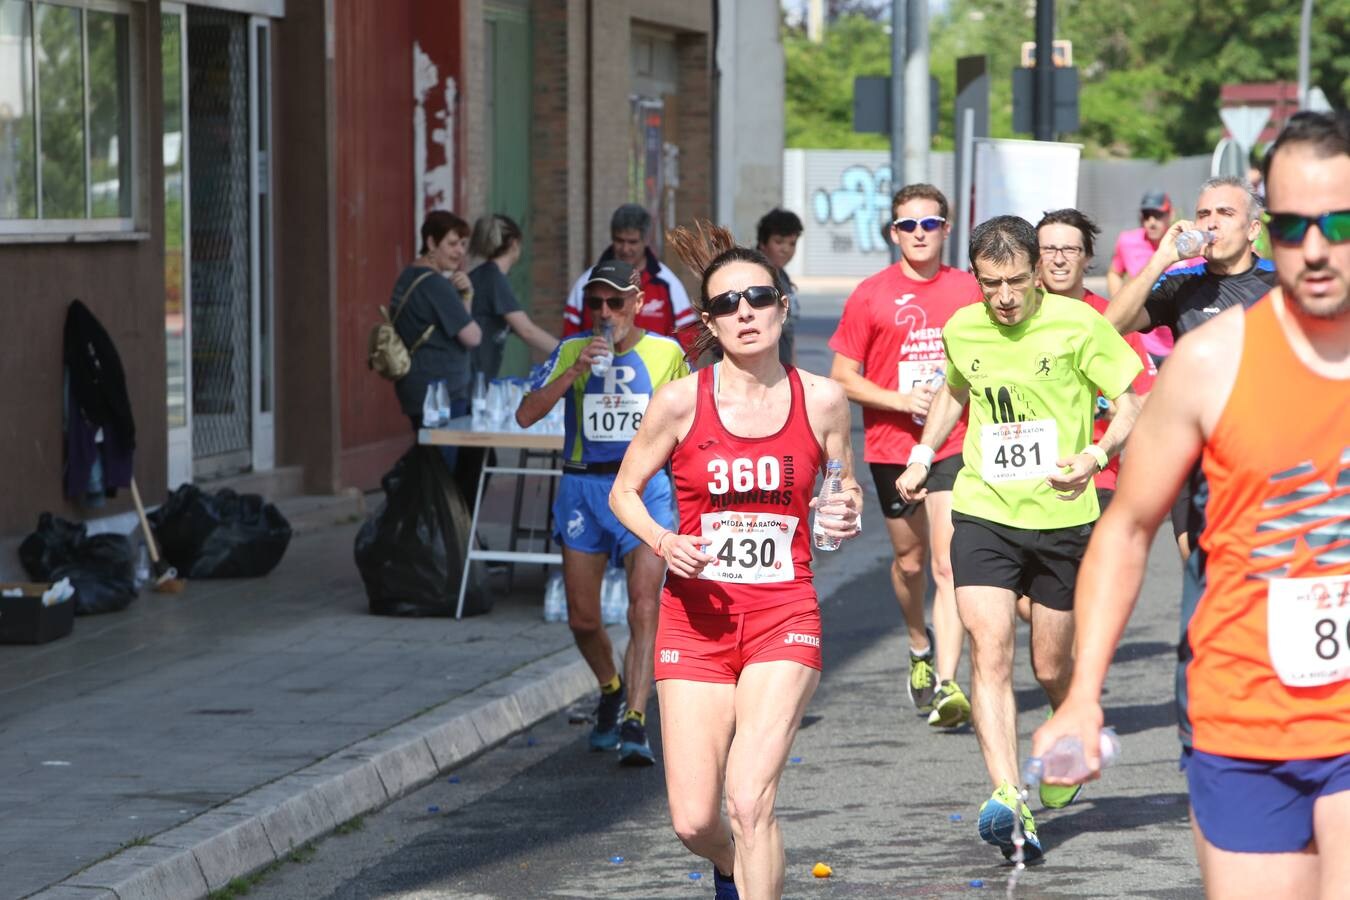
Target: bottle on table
{"x":478,"y":405}
{"x":832,"y":485}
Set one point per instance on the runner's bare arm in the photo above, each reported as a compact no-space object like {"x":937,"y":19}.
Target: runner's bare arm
{"x":1126,"y":311}
{"x":1168,"y":439}
{"x":667,"y":420}
{"x":536,"y":404}
{"x":828,"y":409}
{"x":848,"y":373}
{"x":1114,"y":281}
{"x":948,"y":405}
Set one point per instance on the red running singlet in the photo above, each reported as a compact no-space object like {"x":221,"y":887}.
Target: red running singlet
{"x":749,"y":497}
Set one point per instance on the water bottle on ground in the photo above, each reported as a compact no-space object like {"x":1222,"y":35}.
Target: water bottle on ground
{"x":934,"y":381}
{"x":478,"y":406}
{"x":833,"y":471}
{"x":1065,"y":759}
{"x":555,"y":598}
{"x":1192,"y":242}
{"x":600,"y":365}
{"x":443,"y":402}
{"x":431,"y":407}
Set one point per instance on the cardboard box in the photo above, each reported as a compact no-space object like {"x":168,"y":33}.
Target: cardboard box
{"x":24,"y":620}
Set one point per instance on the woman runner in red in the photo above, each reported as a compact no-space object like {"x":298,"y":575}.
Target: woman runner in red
{"x":738,"y":645}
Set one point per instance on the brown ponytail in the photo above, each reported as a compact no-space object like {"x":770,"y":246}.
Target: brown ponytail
{"x":704,"y":249}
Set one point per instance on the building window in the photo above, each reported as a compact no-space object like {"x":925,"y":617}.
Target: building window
{"x":66,"y":118}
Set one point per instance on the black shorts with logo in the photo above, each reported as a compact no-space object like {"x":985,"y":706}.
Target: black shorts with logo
{"x":1040,"y":564}
{"x":941,"y":477}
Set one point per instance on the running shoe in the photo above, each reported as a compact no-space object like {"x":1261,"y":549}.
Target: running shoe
{"x":922,"y":676}
{"x":997,"y":816}
{"x":605,"y":734}
{"x":633,"y":747}
{"x":725,"y":886}
{"x":950,"y":706}
{"x":1058,"y":796}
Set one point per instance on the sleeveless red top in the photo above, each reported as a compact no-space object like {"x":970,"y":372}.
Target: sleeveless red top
{"x":749,"y":497}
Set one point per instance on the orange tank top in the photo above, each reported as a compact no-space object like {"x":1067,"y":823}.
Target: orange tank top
{"x":1270,"y":674}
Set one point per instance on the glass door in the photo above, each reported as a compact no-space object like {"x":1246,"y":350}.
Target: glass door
{"x":177,"y":228}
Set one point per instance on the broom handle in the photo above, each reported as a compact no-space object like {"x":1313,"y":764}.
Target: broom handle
{"x":145,"y":523}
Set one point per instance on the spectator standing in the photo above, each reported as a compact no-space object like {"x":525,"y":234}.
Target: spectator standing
{"x":497,"y":240}
{"x":776,"y":237}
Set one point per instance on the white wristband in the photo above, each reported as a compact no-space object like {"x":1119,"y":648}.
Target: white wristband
{"x":921,"y":455}
{"x":1098,"y":454}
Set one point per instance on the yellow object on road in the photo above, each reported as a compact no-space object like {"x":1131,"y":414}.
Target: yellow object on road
{"x":820,"y":870}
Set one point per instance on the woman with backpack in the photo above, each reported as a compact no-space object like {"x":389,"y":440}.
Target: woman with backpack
{"x":431,"y":313}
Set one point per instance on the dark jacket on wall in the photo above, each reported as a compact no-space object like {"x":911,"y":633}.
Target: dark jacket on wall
{"x":96,"y":398}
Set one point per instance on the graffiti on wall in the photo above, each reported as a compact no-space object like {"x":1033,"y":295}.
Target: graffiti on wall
{"x":861,"y":201}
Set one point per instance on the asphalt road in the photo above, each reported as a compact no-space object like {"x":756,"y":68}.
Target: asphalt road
{"x":887,"y":802}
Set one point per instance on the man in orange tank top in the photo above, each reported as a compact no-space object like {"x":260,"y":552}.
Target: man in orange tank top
{"x":1264,"y":697}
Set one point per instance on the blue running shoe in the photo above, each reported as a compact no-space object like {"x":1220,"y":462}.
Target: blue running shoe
{"x":633,"y":747}
{"x":605,"y":734}
{"x":997,"y":817}
{"x":725,"y":885}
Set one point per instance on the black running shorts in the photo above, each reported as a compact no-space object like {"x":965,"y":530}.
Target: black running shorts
{"x":1040,"y":564}
{"x":941,"y":477}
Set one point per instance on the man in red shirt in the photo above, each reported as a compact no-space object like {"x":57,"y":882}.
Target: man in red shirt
{"x":665,"y":304}
{"x":889,"y":359}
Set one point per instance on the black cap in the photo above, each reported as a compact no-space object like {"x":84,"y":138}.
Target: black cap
{"x":615,"y":273}
{"x":1156,"y":200}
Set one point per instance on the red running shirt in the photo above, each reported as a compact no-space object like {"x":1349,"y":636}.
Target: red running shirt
{"x":1143,"y":383}
{"x":750,"y":498}
{"x":892,"y":324}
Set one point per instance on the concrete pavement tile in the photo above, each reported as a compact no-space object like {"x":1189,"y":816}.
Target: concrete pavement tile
{"x":146,"y":873}
{"x":453,"y":742}
{"x":401,"y":757}
{"x":497,"y":720}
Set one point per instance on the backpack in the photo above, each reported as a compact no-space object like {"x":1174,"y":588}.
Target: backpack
{"x":386,"y":352}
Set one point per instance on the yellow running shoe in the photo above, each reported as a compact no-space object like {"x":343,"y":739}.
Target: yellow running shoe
{"x":951,"y":709}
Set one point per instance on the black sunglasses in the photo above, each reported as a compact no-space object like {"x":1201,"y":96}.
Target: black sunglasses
{"x":594,"y":302}
{"x":759,"y":296}
{"x":927,"y":223}
{"x":1291,"y":228}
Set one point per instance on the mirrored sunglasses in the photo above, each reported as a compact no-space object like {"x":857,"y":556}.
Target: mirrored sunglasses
{"x":1291,"y":228}
{"x":927,"y":223}
{"x":759,"y":296}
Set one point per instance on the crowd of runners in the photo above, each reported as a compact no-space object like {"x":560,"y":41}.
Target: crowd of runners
{"x":997,"y":405}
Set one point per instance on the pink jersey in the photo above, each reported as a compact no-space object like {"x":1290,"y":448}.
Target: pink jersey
{"x":1133,"y":251}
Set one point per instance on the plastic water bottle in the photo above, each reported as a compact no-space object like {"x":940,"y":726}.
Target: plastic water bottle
{"x":555,"y":598}
{"x":935,"y":381}
{"x":600,"y":365}
{"x":478,"y":406}
{"x":1065,"y":759}
{"x":1192,"y":242}
{"x":833,"y":470}
{"x":443,"y":402}
{"x":431,"y":407}
{"x":614,"y":597}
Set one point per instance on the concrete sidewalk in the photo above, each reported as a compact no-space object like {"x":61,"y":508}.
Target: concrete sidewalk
{"x":162,"y":751}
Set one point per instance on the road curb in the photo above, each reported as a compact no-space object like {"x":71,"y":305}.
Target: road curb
{"x":254,"y":830}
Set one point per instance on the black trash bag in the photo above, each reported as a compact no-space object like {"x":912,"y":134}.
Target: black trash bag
{"x":103,"y":574}
{"x":411,"y":551}
{"x":220,"y":535}
{"x":51,"y":546}
{"x":102,"y":568}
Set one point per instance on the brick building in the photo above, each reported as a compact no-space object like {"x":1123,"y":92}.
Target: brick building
{"x":248,"y":181}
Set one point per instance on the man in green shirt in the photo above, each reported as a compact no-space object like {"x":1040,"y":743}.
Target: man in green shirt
{"x":1030,"y":365}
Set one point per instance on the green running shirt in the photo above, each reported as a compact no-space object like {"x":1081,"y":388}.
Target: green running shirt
{"x":1032,"y":394}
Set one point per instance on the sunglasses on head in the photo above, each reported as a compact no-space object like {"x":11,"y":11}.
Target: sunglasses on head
{"x":594,"y":302}
{"x":759,"y":296}
{"x":1291,"y":228}
{"x":927,"y":223}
